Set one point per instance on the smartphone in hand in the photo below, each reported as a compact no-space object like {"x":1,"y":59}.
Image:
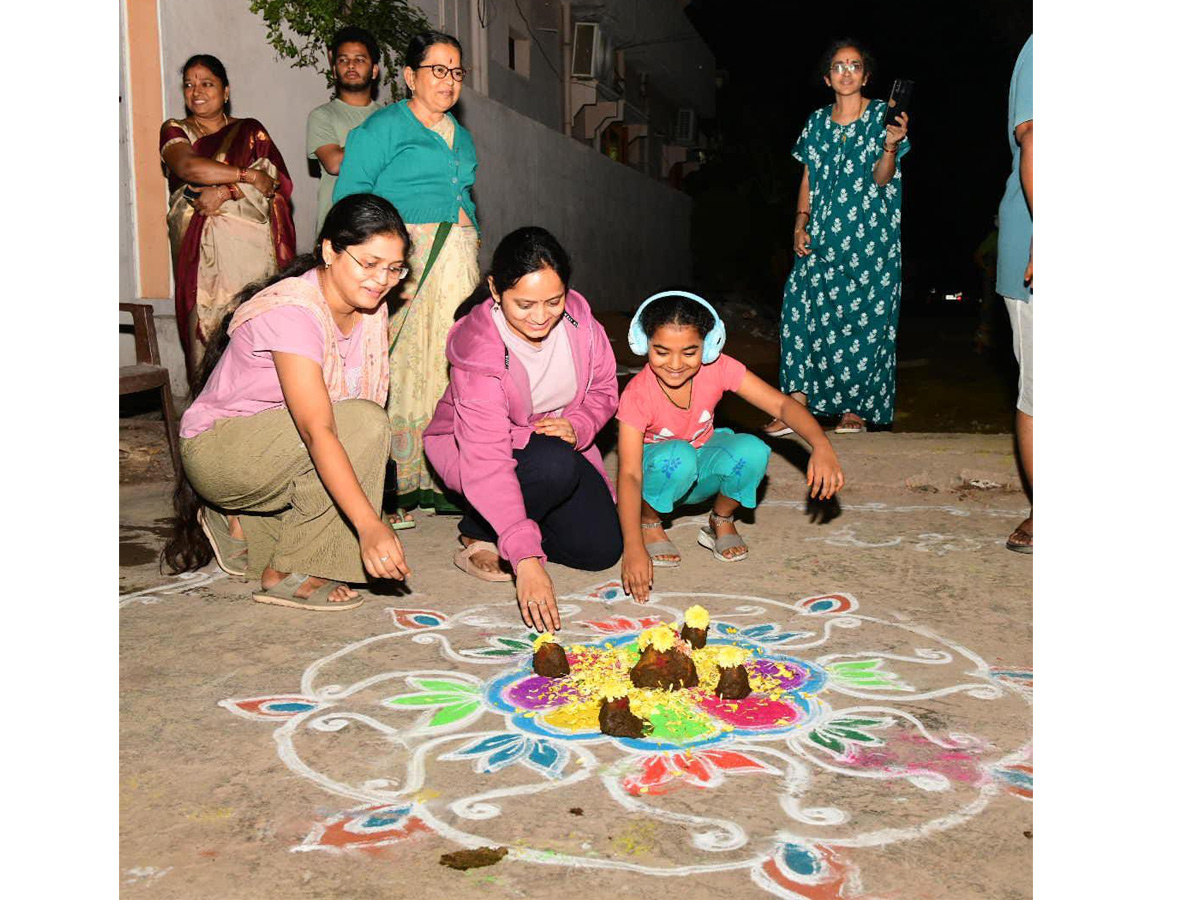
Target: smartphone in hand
{"x":898,"y":102}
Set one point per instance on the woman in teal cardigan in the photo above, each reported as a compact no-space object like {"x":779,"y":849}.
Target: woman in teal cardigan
{"x":416,"y":154}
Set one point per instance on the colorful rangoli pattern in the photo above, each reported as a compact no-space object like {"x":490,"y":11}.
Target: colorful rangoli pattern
{"x":859,"y":714}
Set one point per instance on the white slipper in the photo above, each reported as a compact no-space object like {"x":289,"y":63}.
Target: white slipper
{"x":778,"y":432}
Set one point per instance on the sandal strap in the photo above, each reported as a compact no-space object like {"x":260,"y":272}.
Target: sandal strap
{"x":480,"y":547}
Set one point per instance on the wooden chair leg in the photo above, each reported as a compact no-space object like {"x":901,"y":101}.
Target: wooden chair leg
{"x":168,"y":405}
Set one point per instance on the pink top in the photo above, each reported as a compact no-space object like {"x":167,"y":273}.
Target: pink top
{"x":645,"y":407}
{"x":245,"y":381}
{"x":487,"y":412}
{"x":549,"y":366}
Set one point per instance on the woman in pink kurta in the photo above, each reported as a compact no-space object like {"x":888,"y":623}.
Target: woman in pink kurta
{"x":284,"y":448}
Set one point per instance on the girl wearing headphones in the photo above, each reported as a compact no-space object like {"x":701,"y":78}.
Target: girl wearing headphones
{"x":668,"y":451}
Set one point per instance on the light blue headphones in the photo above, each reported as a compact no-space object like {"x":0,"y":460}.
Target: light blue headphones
{"x":639,"y":341}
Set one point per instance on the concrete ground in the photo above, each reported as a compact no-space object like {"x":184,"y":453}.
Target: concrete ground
{"x":267,"y":752}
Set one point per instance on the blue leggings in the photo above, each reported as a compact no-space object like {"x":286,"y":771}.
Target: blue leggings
{"x":675,"y":472}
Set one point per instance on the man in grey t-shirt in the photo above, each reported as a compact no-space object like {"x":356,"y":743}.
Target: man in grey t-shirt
{"x":354,"y":57}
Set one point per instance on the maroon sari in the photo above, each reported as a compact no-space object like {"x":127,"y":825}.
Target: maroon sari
{"x":252,"y":238}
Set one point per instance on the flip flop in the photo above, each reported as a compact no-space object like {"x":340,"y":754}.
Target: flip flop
{"x":778,"y":432}
{"x":463,"y":560}
{"x":844,"y":427}
{"x":283,"y":594}
{"x":401,"y":521}
{"x":231,"y":554}
{"x":1020,"y":541}
{"x":660,"y":548}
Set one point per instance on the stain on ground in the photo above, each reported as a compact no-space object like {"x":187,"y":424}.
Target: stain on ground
{"x":575,"y":811}
{"x":473,"y":859}
{"x":133,"y":554}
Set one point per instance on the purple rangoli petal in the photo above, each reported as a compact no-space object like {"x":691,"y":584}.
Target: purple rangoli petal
{"x":536,"y":692}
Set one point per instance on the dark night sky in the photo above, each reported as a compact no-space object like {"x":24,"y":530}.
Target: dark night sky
{"x":959,"y":54}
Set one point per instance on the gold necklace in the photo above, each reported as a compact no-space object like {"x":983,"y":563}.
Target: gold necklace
{"x":200,"y":127}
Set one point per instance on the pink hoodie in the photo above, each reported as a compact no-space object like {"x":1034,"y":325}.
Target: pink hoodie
{"x":486,"y":413}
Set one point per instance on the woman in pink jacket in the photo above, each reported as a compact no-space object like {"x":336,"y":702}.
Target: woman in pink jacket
{"x":532,"y":381}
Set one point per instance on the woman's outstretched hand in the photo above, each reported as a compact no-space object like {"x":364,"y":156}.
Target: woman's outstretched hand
{"x":382,"y":554}
{"x":824,"y":473}
{"x":535,"y":595}
{"x":637,"y":573}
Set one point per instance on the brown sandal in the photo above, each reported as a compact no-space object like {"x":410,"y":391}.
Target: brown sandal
{"x":463,"y":560}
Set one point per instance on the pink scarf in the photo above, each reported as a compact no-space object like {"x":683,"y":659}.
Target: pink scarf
{"x":299,"y":292}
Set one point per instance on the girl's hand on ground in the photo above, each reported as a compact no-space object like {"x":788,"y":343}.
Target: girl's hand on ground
{"x":824,"y":474}
{"x":637,"y":574}
{"x":382,"y":554}
{"x":535,"y":595}
{"x":559,"y":428}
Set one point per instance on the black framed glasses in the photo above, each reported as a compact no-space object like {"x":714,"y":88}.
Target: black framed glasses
{"x":394,"y":273}
{"x":440,"y":71}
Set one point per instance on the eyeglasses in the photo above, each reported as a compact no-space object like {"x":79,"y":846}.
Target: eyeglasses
{"x":440,"y":71}
{"x":394,"y":273}
{"x":841,"y":68}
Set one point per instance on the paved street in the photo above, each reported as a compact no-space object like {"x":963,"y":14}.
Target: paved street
{"x":268,"y":752}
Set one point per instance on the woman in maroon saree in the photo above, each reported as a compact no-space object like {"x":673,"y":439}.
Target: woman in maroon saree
{"x":228,"y":217}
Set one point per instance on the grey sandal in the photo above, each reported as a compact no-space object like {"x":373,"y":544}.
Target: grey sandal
{"x":283,"y":594}
{"x":231,"y":553}
{"x":709,"y":540}
{"x":661,"y":548}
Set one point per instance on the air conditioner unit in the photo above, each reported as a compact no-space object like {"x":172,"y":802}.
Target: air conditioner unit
{"x":685,"y":127}
{"x":586,"y":55}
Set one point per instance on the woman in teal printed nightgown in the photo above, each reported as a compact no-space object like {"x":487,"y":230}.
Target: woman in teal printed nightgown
{"x":838,"y":329}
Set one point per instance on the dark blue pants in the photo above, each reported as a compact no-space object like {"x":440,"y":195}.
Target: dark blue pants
{"x":568,"y":499}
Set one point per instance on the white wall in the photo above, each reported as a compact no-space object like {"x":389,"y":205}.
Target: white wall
{"x":260,"y":85}
{"x":127,"y":279}
{"x":628,"y":236}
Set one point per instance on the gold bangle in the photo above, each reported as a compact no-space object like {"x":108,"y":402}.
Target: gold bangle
{"x":892,"y":150}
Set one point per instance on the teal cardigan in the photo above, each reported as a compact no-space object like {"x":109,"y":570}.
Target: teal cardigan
{"x":393,"y":155}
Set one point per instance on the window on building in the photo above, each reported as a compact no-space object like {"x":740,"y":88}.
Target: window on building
{"x":518,"y":53}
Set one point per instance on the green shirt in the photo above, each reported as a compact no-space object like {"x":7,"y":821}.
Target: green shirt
{"x":396,"y":157}
{"x":329,"y":124}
